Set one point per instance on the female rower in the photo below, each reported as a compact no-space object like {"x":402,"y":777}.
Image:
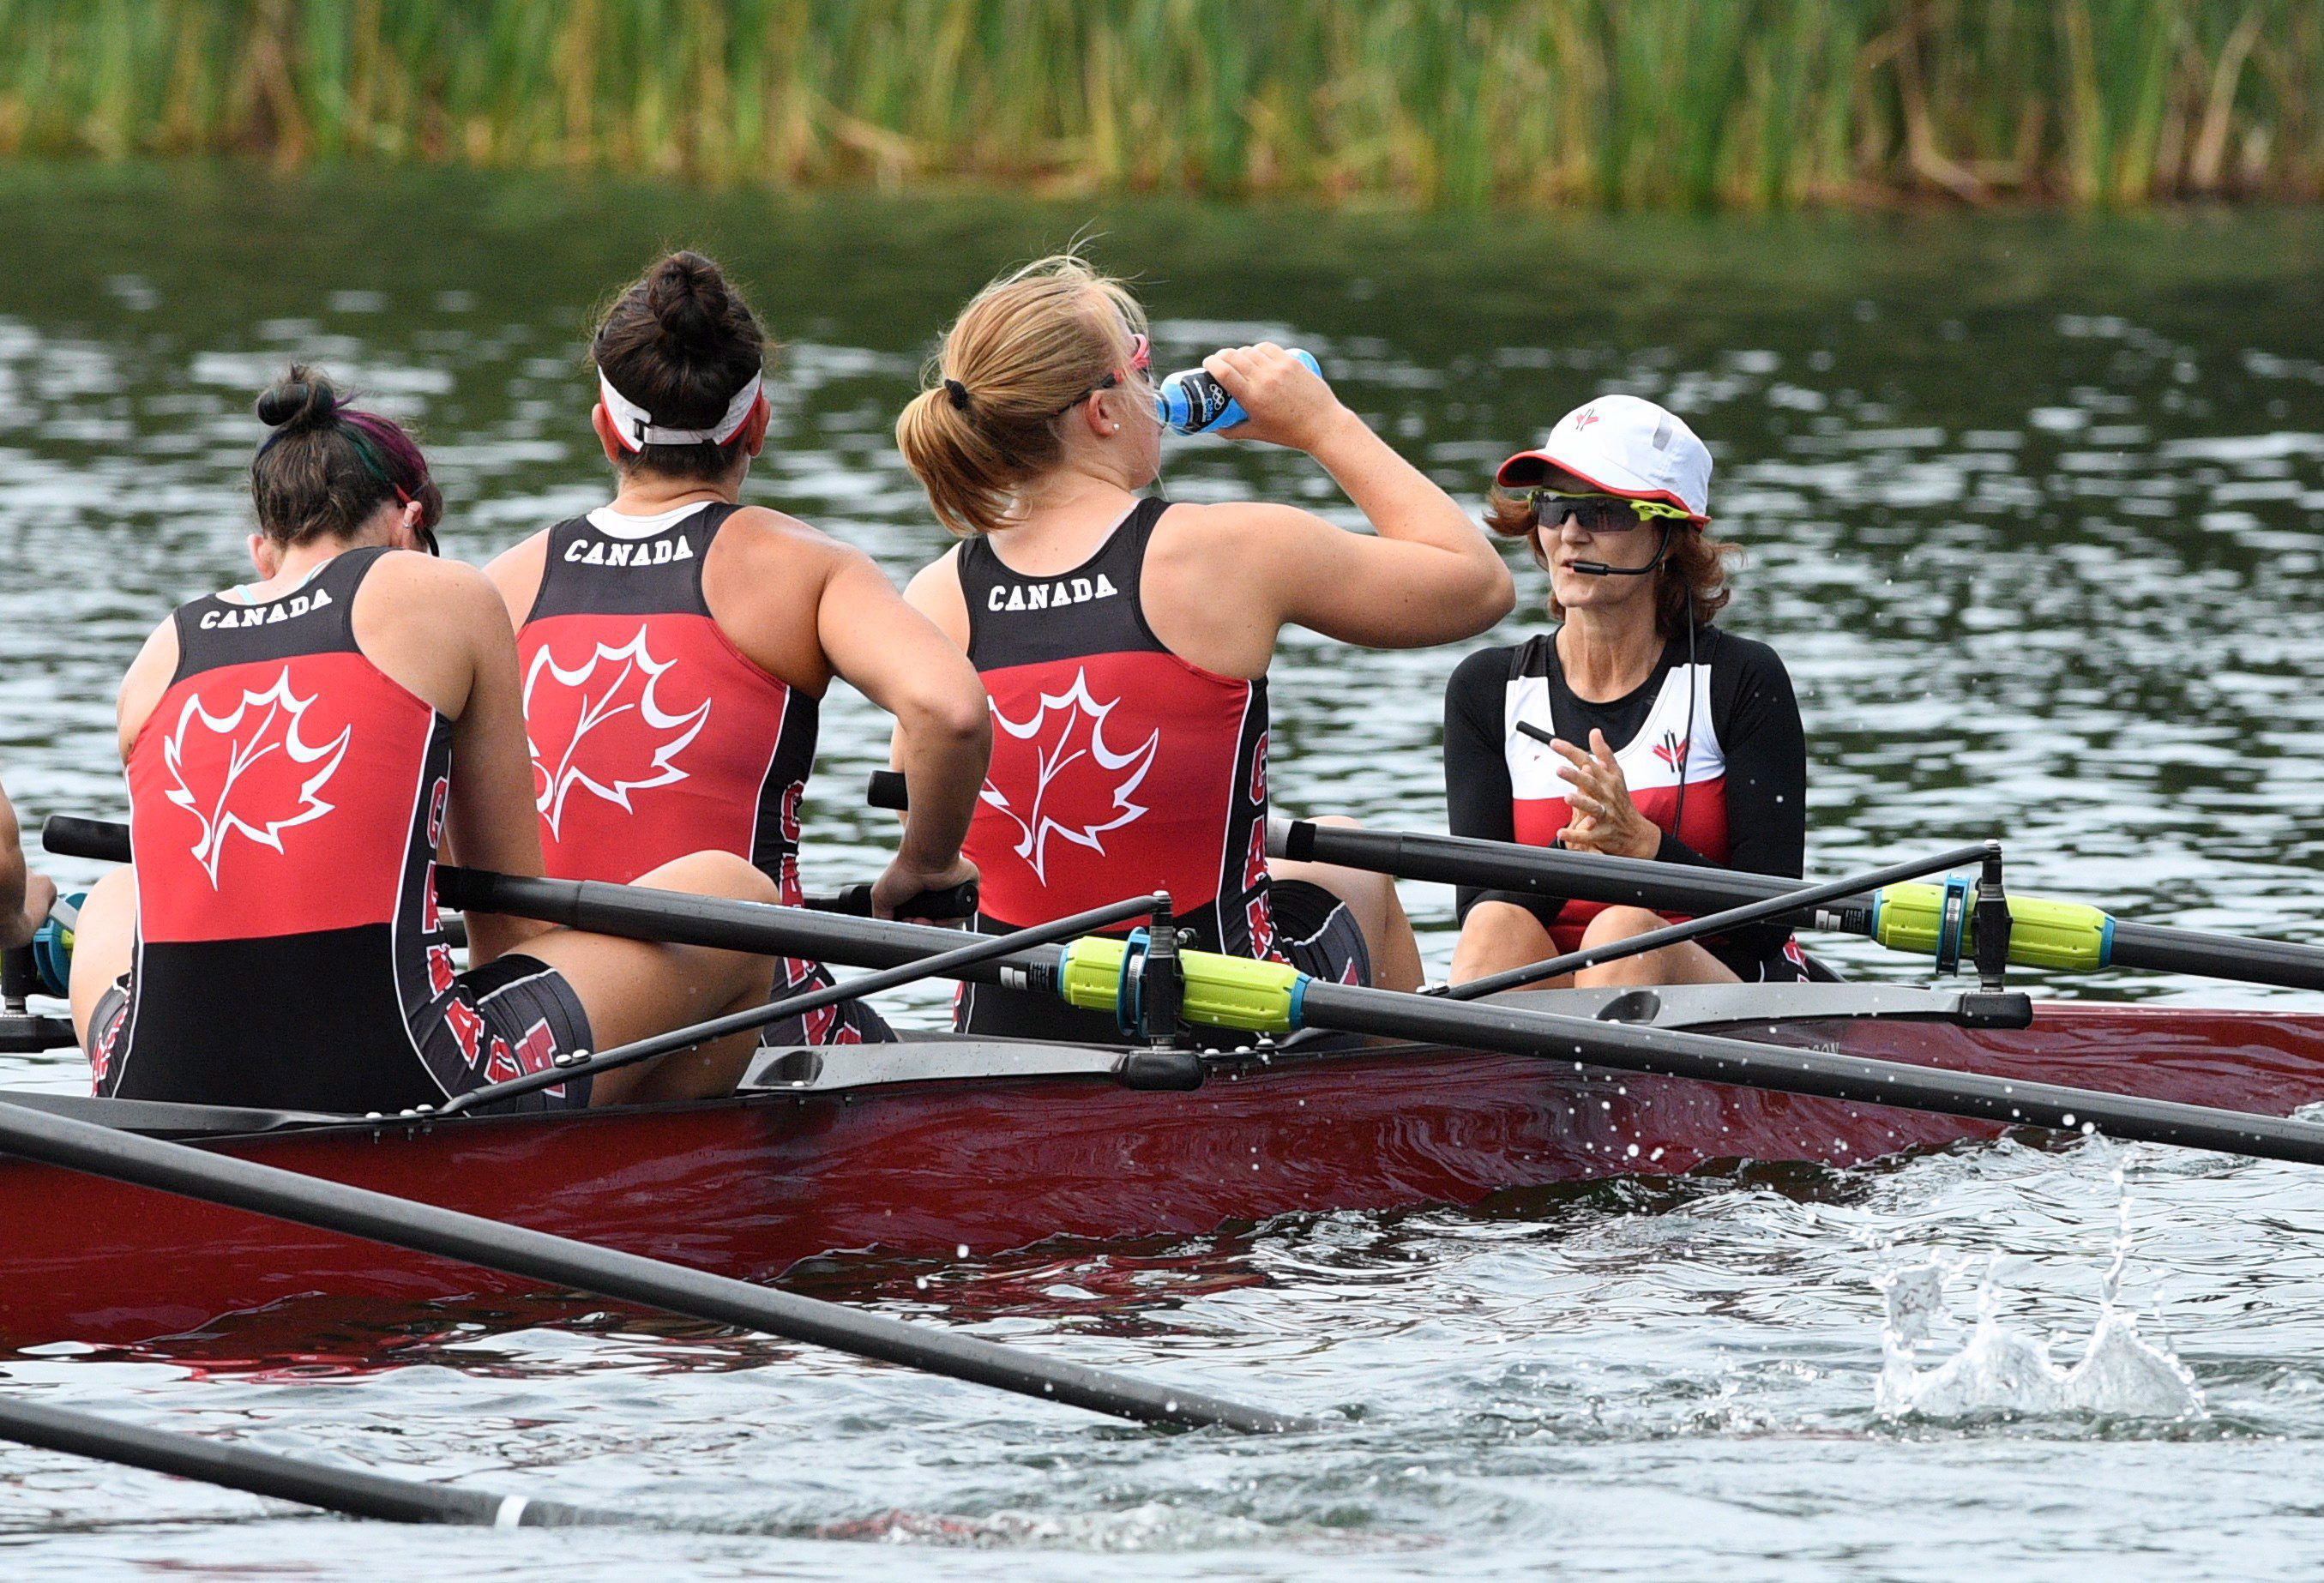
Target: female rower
{"x":1125,"y":641}
{"x":676,"y":643}
{"x":1635,"y":728}
{"x":301,"y":751}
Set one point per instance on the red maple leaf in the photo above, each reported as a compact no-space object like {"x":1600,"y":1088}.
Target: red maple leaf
{"x":605,"y":729}
{"x":249,"y":769}
{"x":1066,"y":780}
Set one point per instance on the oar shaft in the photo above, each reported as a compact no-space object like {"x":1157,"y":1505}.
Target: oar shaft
{"x":637,"y":912}
{"x":2159,"y":948}
{"x":348,"y":1490}
{"x":982,"y":949}
{"x":1540,"y":870}
{"x":1492,"y":865}
{"x":1705,"y":1058}
{"x":557,"y":1261}
{"x":1750,"y":913}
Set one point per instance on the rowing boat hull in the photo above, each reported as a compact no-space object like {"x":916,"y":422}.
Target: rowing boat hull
{"x":928,"y":1169}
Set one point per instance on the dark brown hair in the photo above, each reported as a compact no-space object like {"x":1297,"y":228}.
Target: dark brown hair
{"x":1693,"y":571}
{"x":328,"y":467}
{"x":680,"y":341}
{"x":1023,"y":353}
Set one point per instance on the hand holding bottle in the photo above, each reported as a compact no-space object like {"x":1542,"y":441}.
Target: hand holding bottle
{"x":1219,"y":397}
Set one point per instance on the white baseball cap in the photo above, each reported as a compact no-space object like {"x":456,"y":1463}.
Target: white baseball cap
{"x":1625,"y":446}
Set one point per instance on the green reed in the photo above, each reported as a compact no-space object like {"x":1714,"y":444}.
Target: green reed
{"x":1463,"y":103}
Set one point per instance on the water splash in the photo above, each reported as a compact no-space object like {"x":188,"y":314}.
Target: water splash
{"x":2001,"y":1372}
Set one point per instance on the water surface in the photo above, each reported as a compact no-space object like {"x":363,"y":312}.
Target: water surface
{"x":2028,"y":507}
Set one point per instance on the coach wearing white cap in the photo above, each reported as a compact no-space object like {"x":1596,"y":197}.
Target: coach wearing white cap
{"x":1634,"y":727}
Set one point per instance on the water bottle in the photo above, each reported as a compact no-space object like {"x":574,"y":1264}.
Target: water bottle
{"x":1191,"y":402}
{"x":52,"y":946}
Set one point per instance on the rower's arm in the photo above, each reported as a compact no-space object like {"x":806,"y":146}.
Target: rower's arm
{"x":25,"y":896}
{"x":1429,"y":576}
{"x":491,"y":822}
{"x":894,"y":654}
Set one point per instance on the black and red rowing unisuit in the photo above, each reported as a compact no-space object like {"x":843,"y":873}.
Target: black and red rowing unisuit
{"x":652,"y":735}
{"x":1744,"y":768}
{"x":1119,"y":768}
{"x":287,"y":799}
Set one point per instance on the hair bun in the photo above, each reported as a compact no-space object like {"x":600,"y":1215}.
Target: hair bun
{"x":301,"y":400}
{"x":687,"y":294}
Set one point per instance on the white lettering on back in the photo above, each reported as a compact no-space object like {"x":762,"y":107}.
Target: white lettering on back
{"x":1049,"y":595}
{"x":658,"y":552}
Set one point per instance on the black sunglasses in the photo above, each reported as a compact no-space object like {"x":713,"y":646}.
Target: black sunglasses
{"x":1595,"y":513}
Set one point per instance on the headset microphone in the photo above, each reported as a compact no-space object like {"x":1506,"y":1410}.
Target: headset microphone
{"x":1601,"y":569}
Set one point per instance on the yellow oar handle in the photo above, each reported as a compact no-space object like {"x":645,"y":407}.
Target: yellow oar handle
{"x":2064,"y":936}
{"x":1221,"y":991}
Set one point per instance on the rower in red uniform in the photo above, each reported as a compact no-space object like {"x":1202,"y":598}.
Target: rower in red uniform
{"x":676,"y":644}
{"x":1636,"y":728}
{"x":303,"y":751}
{"x":1125,"y":642}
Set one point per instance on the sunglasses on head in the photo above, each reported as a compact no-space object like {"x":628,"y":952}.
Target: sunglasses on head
{"x":1596,"y":513}
{"x":1141,"y":354}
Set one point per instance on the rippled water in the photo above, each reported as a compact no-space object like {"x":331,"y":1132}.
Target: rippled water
{"x":2029,"y":506}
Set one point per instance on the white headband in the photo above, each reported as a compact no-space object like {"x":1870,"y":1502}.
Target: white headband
{"x":636,"y":428}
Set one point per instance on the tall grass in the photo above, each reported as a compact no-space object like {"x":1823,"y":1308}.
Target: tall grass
{"x":1751,"y":103}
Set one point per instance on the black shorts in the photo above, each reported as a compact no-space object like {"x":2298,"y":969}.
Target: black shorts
{"x":1759,"y":961}
{"x":1315,"y":931}
{"x":513,"y":1016}
{"x":850,"y":1022}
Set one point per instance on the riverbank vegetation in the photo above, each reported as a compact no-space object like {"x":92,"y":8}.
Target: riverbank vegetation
{"x":1755,"y":104}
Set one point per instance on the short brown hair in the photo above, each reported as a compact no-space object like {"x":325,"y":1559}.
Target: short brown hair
{"x":1020,"y":355}
{"x":1693,"y":572}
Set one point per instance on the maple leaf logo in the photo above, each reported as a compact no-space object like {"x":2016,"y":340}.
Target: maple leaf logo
{"x":627,"y":686}
{"x":1065,"y":730}
{"x":264,"y":804}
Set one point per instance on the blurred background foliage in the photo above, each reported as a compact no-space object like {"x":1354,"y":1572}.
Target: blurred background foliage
{"x":1752,"y":104}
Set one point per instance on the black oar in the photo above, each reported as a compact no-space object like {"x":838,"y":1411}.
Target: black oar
{"x":2061,"y":935}
{"x":355,"y":1212}
{"x":636,"y":912}
{"x":1270,"y":998}
{"x":108,"y":842}
{"x":1861,"y":1080}
{"x":348,"y":1490}
{"x":1756,"y":912}
{"x":986,"y":948}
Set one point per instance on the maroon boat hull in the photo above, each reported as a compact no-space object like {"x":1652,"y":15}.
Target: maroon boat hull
{"x":928,"y":1169}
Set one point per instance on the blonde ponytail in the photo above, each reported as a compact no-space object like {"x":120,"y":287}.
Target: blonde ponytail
{"x":1020,"y":355}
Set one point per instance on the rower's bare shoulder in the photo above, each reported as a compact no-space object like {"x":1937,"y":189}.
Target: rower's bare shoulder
{"x":407,"y":582}
{"x":145,"y":680}
{"x":1232,"y":537}
{"x":779,"y":549}
{"x":763,"y":528}
{"x":936,"y":583}
{"x":518,"y":570}
{"x":1238,"y":523}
